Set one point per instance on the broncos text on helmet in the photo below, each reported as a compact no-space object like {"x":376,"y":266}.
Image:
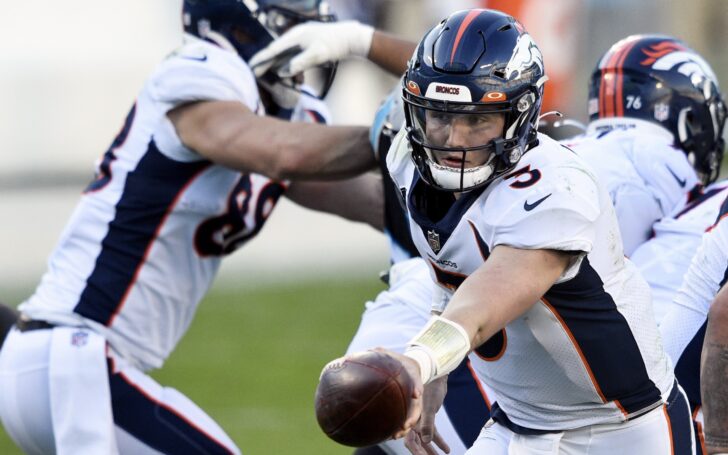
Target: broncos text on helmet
{"x":472,"y":64}
{"x":660,"y":79}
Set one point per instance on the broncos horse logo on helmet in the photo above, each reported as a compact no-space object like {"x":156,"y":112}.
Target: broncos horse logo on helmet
{"x":660,"y":79}
{"x":474,"y":63}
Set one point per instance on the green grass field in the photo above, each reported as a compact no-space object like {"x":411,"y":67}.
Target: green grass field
{"x":252,"y":358}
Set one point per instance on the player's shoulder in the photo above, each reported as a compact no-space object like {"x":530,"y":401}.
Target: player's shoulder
{"x":550,"y":164}
{"x":201,"y":70}
{"x":549,"y":179}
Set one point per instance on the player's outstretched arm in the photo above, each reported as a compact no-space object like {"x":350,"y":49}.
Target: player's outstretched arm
{"x":230,"y":134}
{"x":318,"y":43}
{"x":713,"y":372}
{"x":507,"y":285}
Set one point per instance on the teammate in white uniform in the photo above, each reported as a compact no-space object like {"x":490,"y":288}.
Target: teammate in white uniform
{"x":559,"y":321}
{"x":193,"y":174}
{"x":657,"y":111}
{"x":706,"y":277}
{"x":654,"y":107}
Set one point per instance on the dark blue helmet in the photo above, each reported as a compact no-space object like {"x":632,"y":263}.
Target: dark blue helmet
{"x":260,"y":20}
{"x":661,"y":80}
{"x":475,"y":62}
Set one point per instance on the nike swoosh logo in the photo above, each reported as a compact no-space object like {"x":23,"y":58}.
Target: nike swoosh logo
{"x":528,"y":207}
{"x":197,"y":59}
{"x":680,"y":181}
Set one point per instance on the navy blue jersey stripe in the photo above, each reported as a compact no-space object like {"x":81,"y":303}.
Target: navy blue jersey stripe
{"x":605,"y":340}
{"x":679,"y":417}
{"x":687,"y":368}
{"x":723,"y":210}
{"x":157,"y":424}
{"x":699,"y":200}
{"x":465,"y":403}
{"x":150,"y":192}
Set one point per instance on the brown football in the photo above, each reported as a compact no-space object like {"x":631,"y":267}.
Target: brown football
{"x":362,"y":399}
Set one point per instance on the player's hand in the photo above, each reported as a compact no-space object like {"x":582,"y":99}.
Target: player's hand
{"x":414,"y":410}
{"x":420,"y":440}
{"x":317,"y":43}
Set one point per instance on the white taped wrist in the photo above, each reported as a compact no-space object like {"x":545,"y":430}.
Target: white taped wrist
{"x":363,"y":42}
{"x":444,"y":342}
{"x":424,"y":359}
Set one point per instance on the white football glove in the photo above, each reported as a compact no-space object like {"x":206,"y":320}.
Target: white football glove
{"x":317,"y":43}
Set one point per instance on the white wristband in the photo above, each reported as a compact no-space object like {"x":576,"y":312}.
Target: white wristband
{"x":444,"y":342}
{"x":424,"y":360}
{"x":364,"y":34}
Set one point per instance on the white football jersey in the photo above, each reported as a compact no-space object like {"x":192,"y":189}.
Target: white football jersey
{"x":664,"y":259}
{"x":589,"y":351}
{"x":146,"y":240}
{"x":685,"y":318}
{"x":646,"y":175}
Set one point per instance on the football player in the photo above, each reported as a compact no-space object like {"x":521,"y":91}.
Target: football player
{"x":654,"y":137}
{"x":193,"y":175}
{"x":706,"y":276}
{"x":668,"y":134}
{"x":694,"y":285}
{"x":524,"y":245}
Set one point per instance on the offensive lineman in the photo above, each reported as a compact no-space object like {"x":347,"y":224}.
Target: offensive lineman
{"x":654,"y":137}
{"x":525,"y":243}
{"x":193,"y":175}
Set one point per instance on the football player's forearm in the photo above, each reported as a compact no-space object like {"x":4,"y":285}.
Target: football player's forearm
{"x":714,"y":370}
{"x":390,"y":52}
{"x":228,"y":133}
{"x":319,"y":152}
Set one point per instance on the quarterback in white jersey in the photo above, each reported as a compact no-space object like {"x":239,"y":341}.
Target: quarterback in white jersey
{"x":525,"y":246}
{"x":193,"y":174}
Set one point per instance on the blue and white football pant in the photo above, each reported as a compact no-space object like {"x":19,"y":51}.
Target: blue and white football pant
{"x":63,"y":392}
{"x":666,"y":430}
{"x":394,"y":318}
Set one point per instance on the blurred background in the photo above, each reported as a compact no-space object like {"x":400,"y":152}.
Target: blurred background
{"x":70,"y":72}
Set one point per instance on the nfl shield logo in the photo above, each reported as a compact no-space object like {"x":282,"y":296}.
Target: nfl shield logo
{"x":79,"y":339}
{"x":433,"y":238}
{"x":662,"y":112}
